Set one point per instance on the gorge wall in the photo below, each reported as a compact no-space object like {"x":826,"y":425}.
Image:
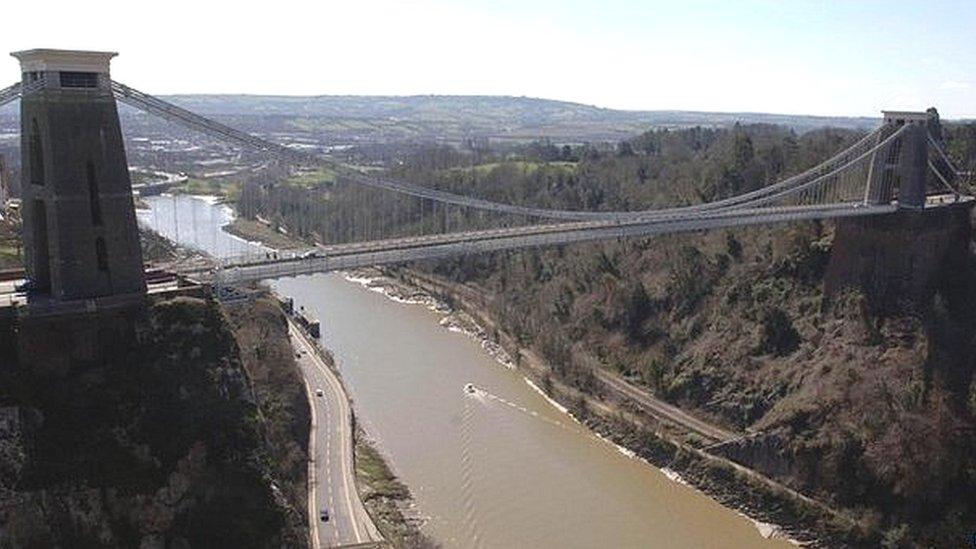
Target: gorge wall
{"x":907,"y":255}
{"x":144,"y":428}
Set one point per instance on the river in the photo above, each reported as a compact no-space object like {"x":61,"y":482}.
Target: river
{"x":502,"y":468}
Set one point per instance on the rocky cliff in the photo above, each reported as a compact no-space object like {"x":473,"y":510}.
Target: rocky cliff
{"x":151,"y":437}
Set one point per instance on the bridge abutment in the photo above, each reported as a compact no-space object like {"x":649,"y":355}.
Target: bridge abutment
{"x":901,"y":258}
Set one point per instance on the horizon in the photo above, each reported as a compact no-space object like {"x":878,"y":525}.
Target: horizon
{"x":532,"y":98}
{"x":764,"y":57}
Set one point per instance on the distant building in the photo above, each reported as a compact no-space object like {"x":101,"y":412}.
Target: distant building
{"x":80,"y":235}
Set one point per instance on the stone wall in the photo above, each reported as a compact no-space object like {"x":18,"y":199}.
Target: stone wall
{"x":51,"y":345}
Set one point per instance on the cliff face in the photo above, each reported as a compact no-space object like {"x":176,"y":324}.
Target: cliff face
{"x":261,"y":331}
{"x":879,"y":414}
{"x":906,"y":256}
{"x":152,"y":437}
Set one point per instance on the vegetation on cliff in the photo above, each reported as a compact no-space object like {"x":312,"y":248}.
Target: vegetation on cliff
{"x":156,"y":248}
{"x":261,"y":331}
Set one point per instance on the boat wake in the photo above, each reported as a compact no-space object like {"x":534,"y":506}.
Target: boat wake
{"x":477,"y":392}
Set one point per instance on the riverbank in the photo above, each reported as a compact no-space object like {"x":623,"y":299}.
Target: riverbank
{"x":683,"y":455}
{"x":388,"y":501}
{"x":254,"y":231}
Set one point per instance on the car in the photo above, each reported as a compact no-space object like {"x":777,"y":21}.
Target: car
{"x":324,"y":515}
{"x":319,"y":392}
{"x":311,"y":254}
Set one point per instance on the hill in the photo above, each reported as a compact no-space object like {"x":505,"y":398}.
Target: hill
{"x":451,"y":116}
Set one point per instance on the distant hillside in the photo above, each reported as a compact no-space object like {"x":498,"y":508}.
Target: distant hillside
{"x":344,"y":118}
{"x":523,"y":109}
{"x":500,"y":116}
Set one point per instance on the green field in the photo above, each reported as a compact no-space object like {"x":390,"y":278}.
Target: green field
{"x":214,"y":187}
{"x":312,"y":179}
{"x":526,"y":166}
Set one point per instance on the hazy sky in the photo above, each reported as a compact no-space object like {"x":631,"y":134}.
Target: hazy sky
{"x":843,"y":57}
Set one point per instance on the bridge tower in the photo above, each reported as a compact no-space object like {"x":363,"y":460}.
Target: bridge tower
{"x":80,"y":235}
{"x":903,"y":163}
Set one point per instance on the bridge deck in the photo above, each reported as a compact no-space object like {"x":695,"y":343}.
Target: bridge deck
{"x":381,"y":252}
{"x":348,"y":256}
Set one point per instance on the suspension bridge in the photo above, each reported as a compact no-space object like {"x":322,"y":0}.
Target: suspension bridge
{"x":901,"y":165}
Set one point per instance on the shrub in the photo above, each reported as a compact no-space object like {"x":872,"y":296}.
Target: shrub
{"x":779,"y":338}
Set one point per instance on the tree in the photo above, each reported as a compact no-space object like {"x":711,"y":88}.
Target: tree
{"x":916,"y":453}
{"x":779,"y":338}
{"x":732,"y":246}
{"x":742,"y":150}
{"x":624,"y":149}
{"x":566,"y":154}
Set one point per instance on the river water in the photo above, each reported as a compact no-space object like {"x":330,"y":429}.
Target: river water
{"x":501,"y":468}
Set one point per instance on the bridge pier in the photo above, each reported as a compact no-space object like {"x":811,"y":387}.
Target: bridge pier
{"x":901,"y":258}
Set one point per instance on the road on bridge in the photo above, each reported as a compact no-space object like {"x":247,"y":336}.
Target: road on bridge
{"x":332,"y":481}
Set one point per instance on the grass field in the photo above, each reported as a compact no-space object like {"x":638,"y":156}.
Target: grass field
{"x":214,"y":187}
{"x":527,"y":166}
{"x":312,"y":179}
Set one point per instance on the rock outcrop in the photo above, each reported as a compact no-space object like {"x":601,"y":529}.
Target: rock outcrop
{"x":150,"y":437}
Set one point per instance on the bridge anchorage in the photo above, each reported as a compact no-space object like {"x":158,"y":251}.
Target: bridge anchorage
{"x":901,"y":165}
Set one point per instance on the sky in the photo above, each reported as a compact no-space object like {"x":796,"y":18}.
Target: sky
{"x":843,"y":57}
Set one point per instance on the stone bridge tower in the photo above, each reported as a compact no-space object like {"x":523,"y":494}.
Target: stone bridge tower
{"x":80,"y":235}
{"x":899,"y":169}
